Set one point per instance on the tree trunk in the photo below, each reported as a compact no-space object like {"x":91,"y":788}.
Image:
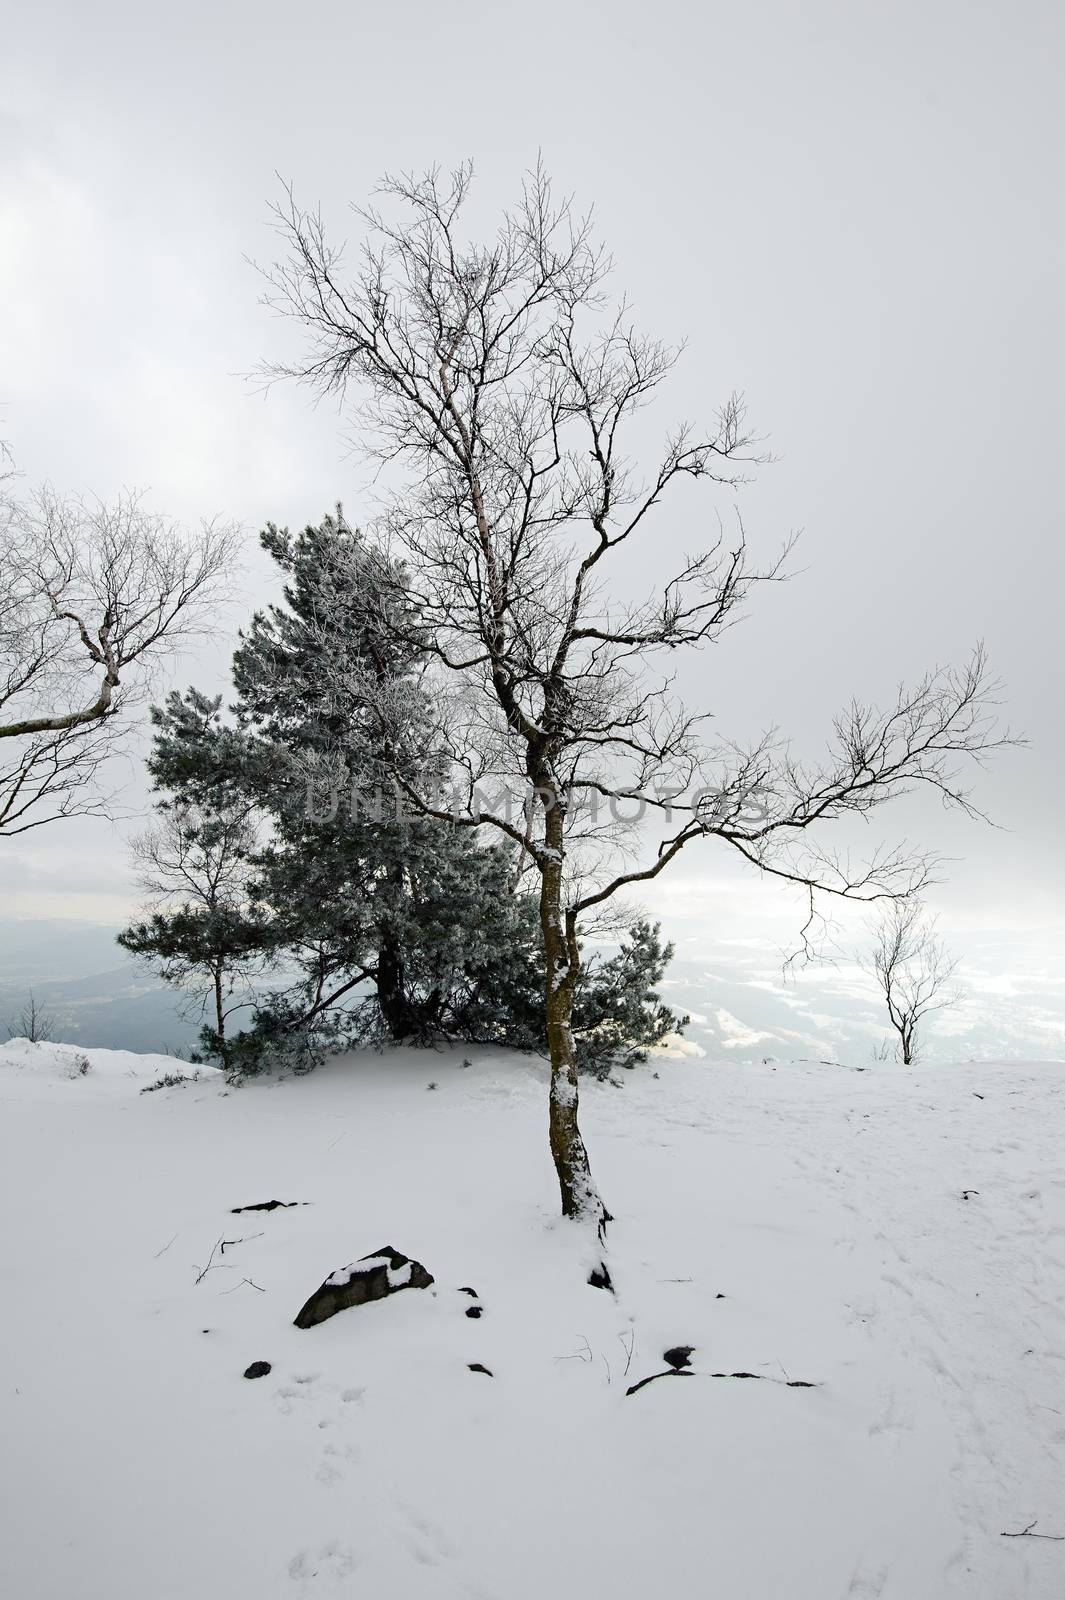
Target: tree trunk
{"x":391,"y":990}
{"x":219,"y":1005}
{"x":580,"y":1197}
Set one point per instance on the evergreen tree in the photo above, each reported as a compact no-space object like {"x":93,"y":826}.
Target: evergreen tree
{"x":618,"y":1014}
{"x":367,"y":918}
{"x":204,"y":933}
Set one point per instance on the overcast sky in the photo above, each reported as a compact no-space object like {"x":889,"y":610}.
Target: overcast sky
{"x":852,"y":212}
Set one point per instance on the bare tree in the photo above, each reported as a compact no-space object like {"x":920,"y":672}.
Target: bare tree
{"x":91,"y":597}
{"x":33,"y":1022}
{"x":913,"y":969}
{"x":499,"y":392}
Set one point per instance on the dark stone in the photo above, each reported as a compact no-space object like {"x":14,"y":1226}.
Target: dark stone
{"x":600,"y":1278}
{"x":475,"y":1366}
{"x":266,"y":1205}
{"x":473,"y":1292}
{"x":679,"y":1356}
{"x":372,"y":1277}
{"x":258,"y":1369}
{"x":474,"y":1311}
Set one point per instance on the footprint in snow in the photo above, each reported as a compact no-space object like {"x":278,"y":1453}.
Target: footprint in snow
{"x":290,"y":1398}
{"x":427,"y":1542}
{"x":332,"y":1560}
{"x":868,"y":1585}
{"x":303,"y":1387}
{"x":336,"y":1459}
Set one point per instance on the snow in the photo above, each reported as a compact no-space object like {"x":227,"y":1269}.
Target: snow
{"x":896,"y":1238}
{"x":675,"y":1044}
{"x":397,"y":1276}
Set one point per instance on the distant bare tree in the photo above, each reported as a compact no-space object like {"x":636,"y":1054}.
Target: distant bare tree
{"x":91,"y":597}
{"x":499,"y":394}
{"x":914,"y":971}
{"x":33,"y":1022}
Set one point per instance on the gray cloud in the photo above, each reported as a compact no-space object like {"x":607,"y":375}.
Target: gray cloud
{"x":846,"y":209}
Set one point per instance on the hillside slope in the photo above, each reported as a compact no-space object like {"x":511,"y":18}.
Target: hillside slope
{"x":896,"y":1239}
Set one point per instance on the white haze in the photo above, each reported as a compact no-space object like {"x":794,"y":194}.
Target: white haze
{"x":847,"y":211}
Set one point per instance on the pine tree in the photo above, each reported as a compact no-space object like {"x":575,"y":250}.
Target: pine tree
{"x":371,"y":919}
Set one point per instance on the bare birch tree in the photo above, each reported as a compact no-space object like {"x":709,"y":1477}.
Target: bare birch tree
{"x":499,"y":391}
{"x":913,"y":969}
{"x":91,"y":597}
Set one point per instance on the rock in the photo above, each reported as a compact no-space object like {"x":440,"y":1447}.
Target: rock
{"x":599,"y":1277}
{"x":370,"y":1278}
{"x":679,"y":1356}
{"x":258,"y":1369}
{"x":474,"y":1311}
{"x":466,"y":1290}
{"x":475,"y":1366}
{"x":266,"y":1205}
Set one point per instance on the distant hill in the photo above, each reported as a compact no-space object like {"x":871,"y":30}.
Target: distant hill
{"x":742,"y":1008}
{"x":97,"y":994}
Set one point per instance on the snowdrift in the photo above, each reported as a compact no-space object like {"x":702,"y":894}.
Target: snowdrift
{"x":896,"y":1240}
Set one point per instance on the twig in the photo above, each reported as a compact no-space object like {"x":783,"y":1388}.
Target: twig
{"x":584,"y":1355}
{"x":759,"y":1377}
{"x":670,"y":1372}
{"x":241,"y":1284}
{"x":628,"y":1349}
{"x":210,"y":1259}
{"x":1026,"y":1533}
{"x":165,"y":1248}
{"x":762,"y":1377}
{"x":229,"y":1243}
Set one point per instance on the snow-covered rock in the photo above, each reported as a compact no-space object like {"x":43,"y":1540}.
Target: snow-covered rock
{"x":372,"y":1277}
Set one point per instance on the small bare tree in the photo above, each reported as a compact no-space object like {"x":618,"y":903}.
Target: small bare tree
{"x":91,"y":597}
{"x":913,"y":969}
{"x":34,"y":1022}
{"x":499,"y":392}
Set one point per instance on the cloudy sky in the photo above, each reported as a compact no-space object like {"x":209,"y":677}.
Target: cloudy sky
{"x":848,"y":210}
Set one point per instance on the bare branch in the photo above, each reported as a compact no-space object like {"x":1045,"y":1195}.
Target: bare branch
{"x":91,"y":598}
{"x":501,"y":390}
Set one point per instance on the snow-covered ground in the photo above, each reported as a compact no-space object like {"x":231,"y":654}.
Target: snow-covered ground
{"x":895,"y":1238}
